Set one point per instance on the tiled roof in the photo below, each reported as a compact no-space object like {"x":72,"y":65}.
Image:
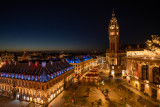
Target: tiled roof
{"x":78,"y":59}
{"x":48,"y":70}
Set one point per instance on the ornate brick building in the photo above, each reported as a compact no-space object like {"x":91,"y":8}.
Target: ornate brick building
{"x":35,"y":82}
{"x":81,"y":63}
{"x":143,"y":68}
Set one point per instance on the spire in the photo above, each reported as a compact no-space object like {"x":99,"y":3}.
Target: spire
{"x":113,"y":14}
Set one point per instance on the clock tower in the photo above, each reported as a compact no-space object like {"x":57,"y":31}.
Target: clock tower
{"x":113,"y":31}
{"x":115,"y":57}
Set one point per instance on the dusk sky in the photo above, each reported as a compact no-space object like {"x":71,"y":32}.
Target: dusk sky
{"x":78,"y":25}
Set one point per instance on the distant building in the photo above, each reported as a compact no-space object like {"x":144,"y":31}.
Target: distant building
{"x":35,"y":82}
{"x":143,"y":68}
{"x":24,"y":57}
{"x":101,"y":59}
{"x":7,"y":57}
{"x":81,"y":63}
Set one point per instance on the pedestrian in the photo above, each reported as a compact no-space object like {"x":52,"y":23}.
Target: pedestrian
{"x":125,"y":99}
{"x":92,"y":104}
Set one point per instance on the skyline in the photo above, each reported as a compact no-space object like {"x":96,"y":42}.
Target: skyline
{"x":52,"y":25}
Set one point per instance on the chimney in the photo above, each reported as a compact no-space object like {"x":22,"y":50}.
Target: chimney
{"x":36,"y":63}
{"x":43,"y":64}
{"x":51,"y":62}
{"x":29,"y":63}
{"x":5,"y":62}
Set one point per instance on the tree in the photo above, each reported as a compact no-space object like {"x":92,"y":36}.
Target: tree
{"x":65,"y":97}
{"x":83,"y":100}
{"x":99,"y":84}
{"x":123,"y":103}
{"x":75,"y":87}
{"x":106,"y":92}
{"x":88,"y":91}
{"x":99,"y":103}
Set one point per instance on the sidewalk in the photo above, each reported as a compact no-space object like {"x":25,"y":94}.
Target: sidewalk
{"x":142,"y":95}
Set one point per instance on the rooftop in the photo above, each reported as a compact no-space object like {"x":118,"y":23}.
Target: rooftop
{"x":78,"y":59}
{"x":35,"y":71}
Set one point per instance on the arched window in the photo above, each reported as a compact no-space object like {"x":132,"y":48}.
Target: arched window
{"x":145,"y":72}
{"x":156,"y":75}
{"x":42,"y":87}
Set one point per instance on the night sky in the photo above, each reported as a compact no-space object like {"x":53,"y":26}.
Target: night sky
{"x":78,"y":25}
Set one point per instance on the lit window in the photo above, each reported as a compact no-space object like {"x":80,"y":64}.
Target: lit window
{"x":112,"y":67}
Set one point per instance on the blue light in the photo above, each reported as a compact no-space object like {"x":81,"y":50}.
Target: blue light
{"x":19,"y":76}
{"x":22,"y":76}
{"x":29,"y":77}
{"x":52,"y":76}
{"x":12,"y":75}
{"x":16,"y":76}
{"x":55,"y":75}
{"x":48,"y":77}
{"x":7,"y":75}
{"x":26,"y":77}
{"x":36,"y":78}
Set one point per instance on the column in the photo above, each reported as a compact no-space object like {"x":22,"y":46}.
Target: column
{"x":150,"y":73}
{"x":139,"y":70}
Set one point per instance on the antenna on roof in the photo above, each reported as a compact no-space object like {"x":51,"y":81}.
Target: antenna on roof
{"x":113,"y":13}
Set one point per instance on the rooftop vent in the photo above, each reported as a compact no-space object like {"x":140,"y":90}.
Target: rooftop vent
{"x":43,"y":64}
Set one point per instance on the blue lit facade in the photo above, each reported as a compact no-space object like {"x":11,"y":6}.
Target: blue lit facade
{"x":81,"y":63}
{"x":78,"y":59}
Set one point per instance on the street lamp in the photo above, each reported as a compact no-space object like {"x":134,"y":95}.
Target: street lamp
{"x":103,"y":84}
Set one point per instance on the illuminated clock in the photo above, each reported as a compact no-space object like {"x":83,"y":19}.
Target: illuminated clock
{"x":112,"y":33}
{"x":112,"y":27}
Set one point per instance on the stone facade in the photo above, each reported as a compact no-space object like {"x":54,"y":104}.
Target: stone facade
{"x":16,"y":86}
{"x":143,"y":69}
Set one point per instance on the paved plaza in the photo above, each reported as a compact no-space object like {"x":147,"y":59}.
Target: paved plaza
{"x":124,"y":96}
{"x":8,"y":102}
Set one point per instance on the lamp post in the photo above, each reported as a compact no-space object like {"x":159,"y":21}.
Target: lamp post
{"x":103,"y":84}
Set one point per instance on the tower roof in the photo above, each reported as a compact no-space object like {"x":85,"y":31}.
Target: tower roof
{"x":113,"y":14}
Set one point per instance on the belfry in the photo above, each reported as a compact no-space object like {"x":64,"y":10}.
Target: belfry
{"x":115,"y":59}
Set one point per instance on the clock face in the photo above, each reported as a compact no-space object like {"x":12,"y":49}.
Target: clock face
{"x":112,"y":33}
{"x":112,"y":27}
